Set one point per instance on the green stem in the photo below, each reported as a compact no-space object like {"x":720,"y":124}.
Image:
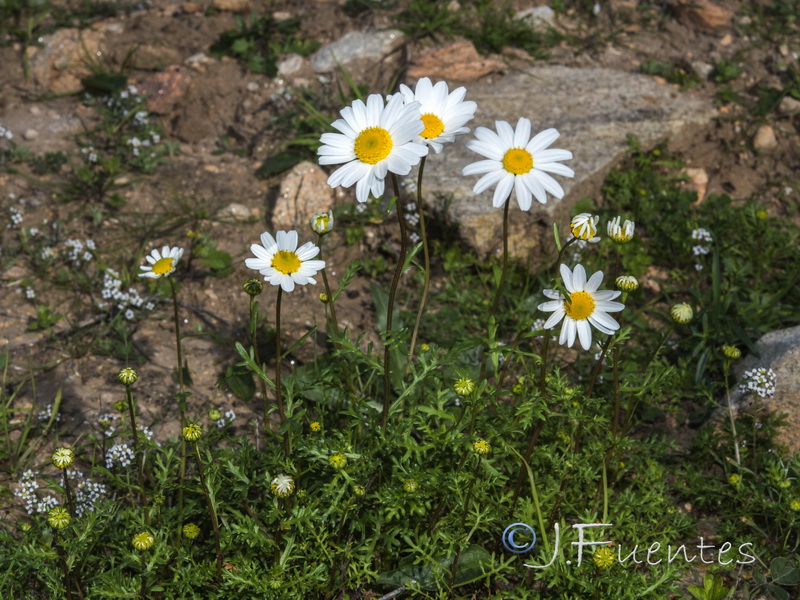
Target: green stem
{"x":181,"y":403}
{"x":68,"y":492}
{"x":137,"y":454}
{"x":387,"y":387}
{"x":278,"y":364}
{"x":426,"y":262}
{"x":64,"y":567}
{"x":726,"y":368}
{"x":212,"y":513}
{"x":257,"y":358}
{"x":464,"y":519}
{"x":143,"y":586}
{"x":598,"y":366}
{"x":504,"y":272}
{"x":181,"y":397}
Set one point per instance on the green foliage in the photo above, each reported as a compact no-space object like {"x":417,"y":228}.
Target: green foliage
{"x":713,"y":588}
{"x":45,"y":318}
{"x":726,"y":71}
{"x":682,"y":76}
{"x":260,"y":41}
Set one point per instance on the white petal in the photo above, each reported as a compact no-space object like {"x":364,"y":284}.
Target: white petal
{"x":489,"y":150}
{"x":572,"y":329}
{"x":550,"y":184}
{"x":552,"y":155}
{"x":287,"y":283}
{"x":488,"y":180}
{"x":535,"y":187}
{"x":585,"y":334}
{"x":609,"y":306}
{"x":503,"y":190}
{"x":556,"y":168}
{"x":555,"y":318}
{"x":566,"y":277}
{"x":306,"y":251}
{"x":579,"y":278}
{"x":600,"y":318}
{"x":268,"y":242}
{"x":594,"y":282}
{"x":554,"y":294}
{"x":542,"y":140}
{"x":523,"y":133}
{"x":482,"y":166}
{"x":257,"y":264}
{"x":551,"y":305}
{"x":505,"y":132}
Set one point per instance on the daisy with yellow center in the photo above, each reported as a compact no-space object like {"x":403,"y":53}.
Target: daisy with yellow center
{"x":444,"y":113}
{"x":282,"y":263}
{"x":282,"y":486}
{"x":584,"y":227}
{"x":161,"y":264}
{"x":517,"y":162}
{"x":584,"y":306}
{"x":375,"y":139}
{"x":621,"y":234}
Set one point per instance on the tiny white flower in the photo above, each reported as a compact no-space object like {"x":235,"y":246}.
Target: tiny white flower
{"x":161,"y":264}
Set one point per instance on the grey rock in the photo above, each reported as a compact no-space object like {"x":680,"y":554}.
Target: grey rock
{"x":236,"y":212}
{"x":538,"y":18}
{"x":361,"y":53}
{"x":290,"y":65}
{"x":765,"y":138}
{"x":593,"y":109}
{"x":703,"y":69}
{"x":789,"y":106}
{"x":779,"y":351}
{"x":30,"y":134}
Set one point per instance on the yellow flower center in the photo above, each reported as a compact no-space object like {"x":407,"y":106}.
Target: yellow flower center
{"x":580,"y":306}
{"x":518,"y":161}
{"x":588,"y":231}
{"x":286,"y":262}
{"x":163,"y":266}
{"x":373,"y":145}
{"x":433,"y":126}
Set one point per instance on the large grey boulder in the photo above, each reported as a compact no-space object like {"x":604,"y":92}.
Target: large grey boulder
{"x":780,"y":351}
{"x":593,"y":109}
{"x":369,"y":56}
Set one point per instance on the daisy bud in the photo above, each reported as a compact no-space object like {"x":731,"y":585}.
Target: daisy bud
{"x":316,"y":426}
{"x":731,"y":352}
{"x":681,"y":313}
{"x":253,"y":287}
{"x":337,"y":461}
{"x":603,"y":557}
{"x":323,"y":297}
{"x":464,"y":386}
{"x":410,"y":486}
{"x":359,"y":490}
{"x":584,"y":227}
{"x":58,"y":517}
{"x":424,"y":347}
{"x":63,"y":458}
{"x":143,"y":541}
{"x":322,"y":222}
{"x":120,"y":406}
{"x":627,"y":283}
{"x":192,"y":432}
{"x":127,"y":376}
{"x":795,"y":505}
{"x":282,"y":486}
{"x":482,"y":447}
{"x":190,"y":531}
{"x":622,"y":234}
{"x":214,"y":414}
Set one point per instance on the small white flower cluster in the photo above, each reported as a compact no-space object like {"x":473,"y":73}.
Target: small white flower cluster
{"x":28,"y":493}
{"x":87,"y":492}
{"x":412,"y":218}
{"x":16,"y":217}
{"x":119,"y":453}
{"x":537,"y":325}
{"x":112,"y":290}
{"x":108,"y":423}
{"x":90,"y":153}
{"x":704,"y":237}
{"x":30,"y":293}
{"x":79,"y":250}
{"x":45,"y":414}
{"x":135,"y":143}
{"x":148,"y":434}
{"x":47,"y":253}
{"x":33,"y":231}
{"x":760,"y":381}
{"x":227,"y":419}
{"x":6,"y":133}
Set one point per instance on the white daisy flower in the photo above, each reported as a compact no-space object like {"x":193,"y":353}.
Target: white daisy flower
{"x":622,"y":234}
{"x":584,"y":306}
{"x":282,"y":263}
{"x":161,"y":263}
{"x":375,"y":139}
{"x":517,"y":162}
{"x":584,"y":227}
{"x":282,"y":486}
{"x":443,"y":114}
